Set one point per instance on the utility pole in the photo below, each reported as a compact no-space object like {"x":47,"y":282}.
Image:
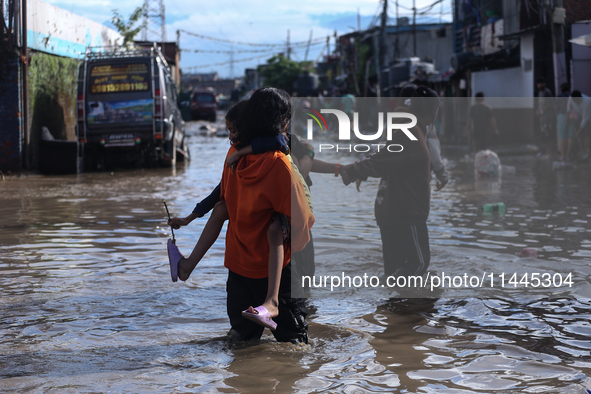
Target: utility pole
{"x":383,"y":34}
{"x":328,"y":58}
{"x":358,"y":20}
{"x":382,"y":47}
{"x":154,"y":21}
{"x":288,"y":47}
{"x":558,"y":56}
{"x":232,"y":63}
{"x":25,"y":79}
{"x":414,"y":28}
{"x":338,"y":48}
{"x":397,"y":45}
{"x":308,"y":47}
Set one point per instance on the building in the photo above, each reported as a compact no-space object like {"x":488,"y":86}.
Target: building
{"x":516,"y":42}
{"x":38,"y":63}
{"x":194,"y":82}
{"x":410,"y":53}
{"x":501,"y":47}
{"x":172,"y":55}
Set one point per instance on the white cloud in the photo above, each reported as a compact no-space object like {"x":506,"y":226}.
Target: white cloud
{"x":256,"y":21}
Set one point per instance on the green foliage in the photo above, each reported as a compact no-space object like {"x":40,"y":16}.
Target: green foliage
{"x":52,"y":94}
{"x":307,"y":66}
{"x":126,"y":28}
{"x":281,"y":73}
{"x":52,"y":75}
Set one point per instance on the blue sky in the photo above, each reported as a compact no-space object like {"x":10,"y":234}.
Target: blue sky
{"x":255,"y":21}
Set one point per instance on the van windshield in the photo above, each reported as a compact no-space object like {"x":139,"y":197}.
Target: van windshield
{"x":119,"y":93}
{"x":204,"y":98}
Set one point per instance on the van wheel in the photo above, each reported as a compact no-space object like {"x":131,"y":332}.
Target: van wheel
{"x":89,"y":162}
{"x":169,"y":156}
{"x":213,"y":117}
{"x":186,"y":155}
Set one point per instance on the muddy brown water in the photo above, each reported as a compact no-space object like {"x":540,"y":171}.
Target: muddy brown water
{"x":87,"y":303}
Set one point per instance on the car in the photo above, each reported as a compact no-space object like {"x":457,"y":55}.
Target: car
{"x":128,"y":109}
{"x":224,"y":103}
{"x":204,"y":105}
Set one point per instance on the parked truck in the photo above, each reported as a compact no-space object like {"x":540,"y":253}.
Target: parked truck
{"x":127,"y":109}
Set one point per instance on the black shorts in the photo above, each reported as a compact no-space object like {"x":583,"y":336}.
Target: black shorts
{"x":480,"y":142}
{"x":406,"y":249}
{"x":244,"y":292}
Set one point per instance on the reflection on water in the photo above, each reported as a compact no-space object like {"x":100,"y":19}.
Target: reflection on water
{"x":88,"y":306}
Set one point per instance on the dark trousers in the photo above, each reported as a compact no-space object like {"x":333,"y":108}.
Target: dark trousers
{"x":480,"y":142}
{"x":406,"y":249}
{"x":244,"y":292}
{"x":302,"y":264}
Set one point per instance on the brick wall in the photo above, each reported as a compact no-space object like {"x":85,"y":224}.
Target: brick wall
{"x":577,"y":10}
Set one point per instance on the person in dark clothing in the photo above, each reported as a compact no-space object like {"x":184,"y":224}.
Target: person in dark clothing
{"x":546,"y":114}
{"x":565,"y":129}
{"x":302,"y":262}
{"x":481,"y":119}
{"x":402,"y":202}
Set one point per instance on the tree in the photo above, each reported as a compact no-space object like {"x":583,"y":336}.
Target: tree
{"x":126,"y":29}
{"x":281,"y":73}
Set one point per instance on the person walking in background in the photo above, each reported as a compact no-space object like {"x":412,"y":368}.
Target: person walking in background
{"x":481,"y":119}
{"x":565,"y":128}
{"x":348,"y":103}
{"x":580,"y":111}
{"x":547,"y":117}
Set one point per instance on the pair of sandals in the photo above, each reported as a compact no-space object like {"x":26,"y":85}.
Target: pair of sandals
{"x":261,"y":315}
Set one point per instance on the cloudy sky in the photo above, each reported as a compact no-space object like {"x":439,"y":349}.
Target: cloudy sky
{"x":256,"y":22}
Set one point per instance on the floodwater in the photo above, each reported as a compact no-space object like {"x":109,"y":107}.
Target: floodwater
{"x":88,"y":305}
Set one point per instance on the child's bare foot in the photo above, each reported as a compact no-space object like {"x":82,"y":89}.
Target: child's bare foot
{"x":270,"y":306}
{"x":184,"y":269}
{"x":261,"y":315}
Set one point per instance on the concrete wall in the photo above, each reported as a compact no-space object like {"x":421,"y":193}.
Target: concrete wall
{"x":53,"y":30}
{"x":440,"y":49}
{"x":527,"y":52}
{"x":581,"y":60}
{"x":506,"y":82}
{"x":509,"y":92}
{"x":509,"y":82}
{"x":56,"y":39}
